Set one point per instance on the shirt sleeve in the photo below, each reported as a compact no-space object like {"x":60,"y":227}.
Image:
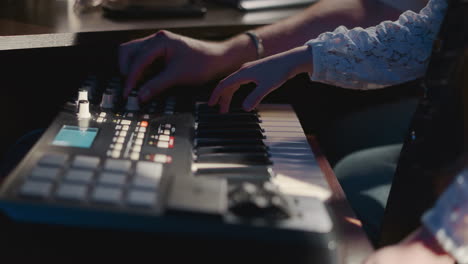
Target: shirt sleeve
{"x":387,"y":54}
{"x":448,"y":219}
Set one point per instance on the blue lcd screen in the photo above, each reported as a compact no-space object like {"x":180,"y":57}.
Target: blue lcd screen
{"x":73,"y":136}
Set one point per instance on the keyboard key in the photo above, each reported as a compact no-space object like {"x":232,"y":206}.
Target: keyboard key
{"x":45,"y":173}
{"x":86,"y":162}
{"x":236,"y":158}
{"x":117,"y":165}
{"x":141,"y":198}
{"x":235,"y":133}
{"x":109,"y":195}
{"x":112,"y":178}
{"x":37,"y":189}
{"x":206,"y":142}
{"x":53,"y":159}
{"x":79,"y":176}
{"x":231,"y":149}
{"x":75,"y":192}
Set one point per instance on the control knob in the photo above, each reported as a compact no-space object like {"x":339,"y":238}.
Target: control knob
{"x":132,"y":102}
{"x":83,"y":109}
{"x":107,"y":99}
{"x":252,"y":201}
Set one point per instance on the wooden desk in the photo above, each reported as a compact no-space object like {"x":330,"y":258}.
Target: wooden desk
{"x":53,"y":23}
{"x":353,"y":242}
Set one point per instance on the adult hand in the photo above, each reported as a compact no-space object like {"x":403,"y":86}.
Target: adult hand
{"x":268,"y":74}
{"x":186,"y":61}
{"x":418,"y":248}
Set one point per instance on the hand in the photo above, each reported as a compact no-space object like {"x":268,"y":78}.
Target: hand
{"x":268,"y":74}
{"x":418,"y":248}
{"x":186,"y":61}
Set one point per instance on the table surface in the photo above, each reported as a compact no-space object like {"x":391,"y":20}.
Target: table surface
{"x":54,"y":23}
{"x":29,"y":24}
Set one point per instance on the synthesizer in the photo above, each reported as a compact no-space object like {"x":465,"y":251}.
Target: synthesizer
{"x":172,"y":165}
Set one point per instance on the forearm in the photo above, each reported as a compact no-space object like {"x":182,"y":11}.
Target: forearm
{"x":326,"y":15}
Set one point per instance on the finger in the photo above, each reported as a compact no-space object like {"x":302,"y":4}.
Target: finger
{"x":224,"y":102}
{"x":126,"y":52}
{"x":228,"y":86}
{"x":256,"y":96}
{"x":142,"y":60}
{"x":156,"y":85}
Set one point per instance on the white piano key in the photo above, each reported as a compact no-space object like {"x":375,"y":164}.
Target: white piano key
{"x":284,"y":134}
{"x":278,"y":123}
{"x":282,"y":129}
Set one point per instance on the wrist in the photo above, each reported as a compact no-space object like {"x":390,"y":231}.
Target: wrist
{"x":237,"y":51}
{"x":302,"y":59}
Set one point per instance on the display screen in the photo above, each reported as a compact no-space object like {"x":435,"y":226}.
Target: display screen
{"x":73,"y":136}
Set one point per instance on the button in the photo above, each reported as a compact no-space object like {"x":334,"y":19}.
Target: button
{"x":68,"y":191}
{"x":115,"y":154}
{"x":53,"y":159}
{"x":142,"y":129}
{"x":45,"y":173}
{"x":138,"y":141}
{"x":144,"y":123}
{"x":117,"y":165}
{"x":38,"y":189}
{"x":141,"y":198}
{"x":102,"y":114}
{"x":167,"y":132}
{"x":141,"y":135}
{"x":123,"y":133}
{"x":117,"y":146}
{"x":129,"y":115}
{"x":148,"y":169}
{"x":136,"y":148}
{"x":112,"y":178}
{"x":147,"y":174}
{"x":145,"y":116}
{"x":81,"y":176}
{"x":161,"y":158}
{"x":120,"y":140}
{"x":125,"y":128}
{"x":100,"y":119}
{"x":167,"y":126}
{"x":126,"y":122}
{"x":163,"y":144}
{"x":86,"y":162}
{"x":118,"y":127}
{"x":105,"y":194}
{"x":164,"y":137}
{"x":135,"y":156}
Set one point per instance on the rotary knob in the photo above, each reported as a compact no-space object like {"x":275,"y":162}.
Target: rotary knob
{"x":132,"y":102}
{"x":82,"y":95}
{"x":83,"y":109}
{"x":107,"y":101}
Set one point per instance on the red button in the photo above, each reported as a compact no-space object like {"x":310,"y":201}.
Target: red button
{"x":144,"y":123}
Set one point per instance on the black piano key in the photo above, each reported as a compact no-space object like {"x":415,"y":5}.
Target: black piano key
{"x":209,"y":142}
{"x":228,"y":119}
{"x":227,"y":126}
{"x":231,"y":149}
{"x":205,"y":108}
{"x":237,"y":158}
{"x":257,"y":134}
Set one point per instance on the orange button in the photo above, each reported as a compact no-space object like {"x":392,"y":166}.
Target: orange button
{"x":144,"y":123}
